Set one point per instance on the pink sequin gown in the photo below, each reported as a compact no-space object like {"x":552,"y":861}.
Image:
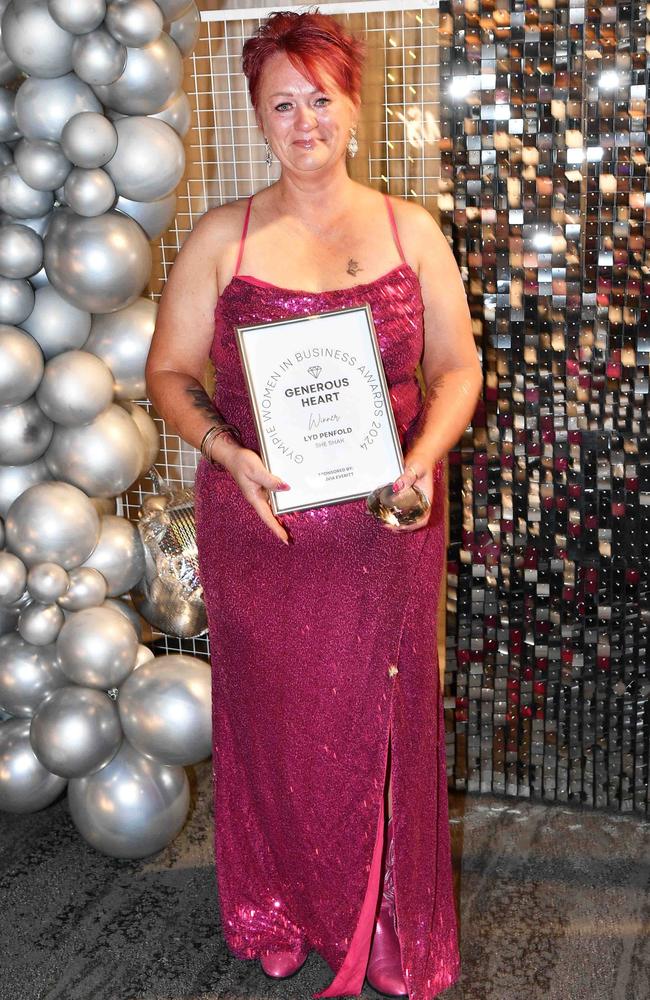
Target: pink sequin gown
{"x":305,"y":640}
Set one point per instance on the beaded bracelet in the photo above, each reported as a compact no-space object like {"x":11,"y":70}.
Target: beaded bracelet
{"x":214,"y":432}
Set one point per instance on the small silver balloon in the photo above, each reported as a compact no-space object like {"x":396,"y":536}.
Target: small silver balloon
{"x":41,"y":163}
{"x":177,"y":113}
{"x":97,"y":647}
{"x":25,"y":433}
{"x":173,"y":9}
{"x":78,"y":16}
{"x":125,"y":608}
{"x":21,"y":361}
{"x":15,"y":479}
{"x":47,"y":582}
{"x":40,"y":624}
{"x":21,"y":251}
{"x":34,"y":41}
{"x":155,"y":217}
{"x":16,"y":300}
{"x":135,"y":23}
{"x":100,"y":264}
{"x":19,"y":199}
{"x":9,"y":130}
{"x":185,"y":30}
{"x":89,"y":192}
{"x":142,"y":141}
{"x":76,"y":731}
{"x":152,"y":74}
{"x":13,"y":577}
{"x":25,"y":785}
{"x":55,"y":324}
{"x":44,"y":106}
{"x":28,"y":674}
{"x":165,"y":709}
{"x":122,"y":340}
{"x":131,"y":808}
{"x":89,"y":140}
{"x":97,"y":58}
{"x":118,"y":555}
{"x":103,"y":457}
{"x":76,"y":387}
{"x":52,"y":522}
{"x":148,"y":431}
{"x":87,"y":589}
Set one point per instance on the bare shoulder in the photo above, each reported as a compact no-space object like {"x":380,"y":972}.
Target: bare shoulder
{"x":216,"y":229}
{"x":414,"y":221}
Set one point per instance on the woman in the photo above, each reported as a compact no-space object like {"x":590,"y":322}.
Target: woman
{"x":327,"y":709}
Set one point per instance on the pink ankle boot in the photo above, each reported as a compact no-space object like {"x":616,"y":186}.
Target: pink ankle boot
{"x":282,"y":964}
{"x":384,"y":972}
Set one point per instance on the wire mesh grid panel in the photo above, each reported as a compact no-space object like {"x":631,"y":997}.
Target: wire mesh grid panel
{"x":398,"y":152}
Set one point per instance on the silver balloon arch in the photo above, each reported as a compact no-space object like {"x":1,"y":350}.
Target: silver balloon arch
{"x":92,"y":120}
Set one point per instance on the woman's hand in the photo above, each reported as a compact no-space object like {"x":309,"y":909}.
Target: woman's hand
{"x":416,"y":473}
{"x":255,"y":481}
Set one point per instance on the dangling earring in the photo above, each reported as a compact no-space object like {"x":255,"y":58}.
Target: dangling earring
{"x":353,"y":145}
{"x":268,"y":155}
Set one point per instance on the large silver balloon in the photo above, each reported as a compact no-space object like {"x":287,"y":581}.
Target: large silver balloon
{"x":152,"y":74}
{"x":76,"y":387}
{"x":135,"y":23}
{"x":78,"y":16}
{"x":89,"y":192}
{"x":76,"y":731}
{"x":25,"y":433}
{"x":55,"y":324}
{"x":97,"y":647}
{"x":165,"y":709}
{"x":98,"y":58}
{"x":44,"y":106}
{"x":16,"y":300}
{"x":15,"y":479}
{"x":9,"y":130}
{"x":118,"y":555}
{"x":122,"y":340}
{"x":173,"y":9}
{"x":142,"y":143}
{"x":100,"y":264}
{"x":177,"y":113}
{"x":52,"y":522}
{"x":27,"y":674}
{"x":131,"y":808}
{"x":13,"y":577}
{"x":103,"y":457}
{"x":25,"y":785}
{"x":34,"y":41}
{"x":21,"y":361}
{"x":87,"y":589}
{"x":40,"y":624}
{"x":41,"y":163}
{"x":47,"y":582}
{"x":89,"y":140}
{"x":185,"y":29}
{"x":19,"y":199}
{"x":21,"y":251}
{"x":155,"y":217}
{"x":148,"y":431}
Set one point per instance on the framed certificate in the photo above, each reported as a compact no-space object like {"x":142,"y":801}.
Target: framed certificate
{"x":321,"y":406}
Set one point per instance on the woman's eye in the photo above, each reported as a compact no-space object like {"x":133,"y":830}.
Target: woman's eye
{"x":322,"y":101}
{"x":283,"y":107}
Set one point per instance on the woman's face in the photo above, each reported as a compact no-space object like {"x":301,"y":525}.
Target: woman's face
{"x":308,"y":129}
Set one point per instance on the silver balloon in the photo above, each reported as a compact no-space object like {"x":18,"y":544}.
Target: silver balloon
{"x":9,"y":130}
{"x":52,"y":522}
{"x":152,"y":74}
{"x":44,"y":106}
{"x":100,"y":264}
{"x":27,"y":674}
{"x":76,"y":387}
{"x":13,"y":577}
{"x":155,"y":217}
{"x":165,"y":709}
{"x":89,"y":140}
{"x":40,"y":624}
{"x":135,"y":23}
{"x":25,"y":785}
{"x":177,"y":113}
{"x":21,"y":251}
{"x":131,"y":808}
{"x":185,"y":29}
{"x":16,"y":300}
{"x":173,"y":9}
{"x":8,"y":71}
{"x":103,"y":457}
{"x":21,"y":361}
{"x":122,"y":340}
{"x":76,"y":731}
{"x":25,"y":433}
{"x":55,"y":324}
{"x":34,"y":41}
{"x":148,"y":430}
{"x":98,"y":58}
{"x":78,"y":16}
{"x":142,"y":142}
{"x":125,"y":608}
{"x":118,"y":555}
{"x":19,"y":199}
{"x":89,"y":192}
{"x":47,"y":582}
{"x":87,"y":589}
{"x":41,"y":163}
{"x":15,"y":479}
{"x":144,"y":655}
{"x":97,"y":647}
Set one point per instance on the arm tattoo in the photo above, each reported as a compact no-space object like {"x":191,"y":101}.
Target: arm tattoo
{"x":431,"y":395}
{"x":201,"y":401}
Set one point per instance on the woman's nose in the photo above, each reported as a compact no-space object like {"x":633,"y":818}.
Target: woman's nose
{"x":305,"y":118}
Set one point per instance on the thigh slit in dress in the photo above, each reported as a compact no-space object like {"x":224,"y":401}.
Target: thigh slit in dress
{"x":322,"y":652}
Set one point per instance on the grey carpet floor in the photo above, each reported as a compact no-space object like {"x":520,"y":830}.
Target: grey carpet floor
{"x":554,"y":904}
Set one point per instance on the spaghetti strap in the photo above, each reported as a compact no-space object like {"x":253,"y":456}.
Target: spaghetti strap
{"x":243,"y":235}
{"x":393,"y":225}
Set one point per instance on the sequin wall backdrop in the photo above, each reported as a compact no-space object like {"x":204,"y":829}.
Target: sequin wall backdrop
{"x":543,"y":192}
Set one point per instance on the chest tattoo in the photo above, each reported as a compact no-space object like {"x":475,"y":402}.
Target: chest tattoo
{"x":353,"y":267}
